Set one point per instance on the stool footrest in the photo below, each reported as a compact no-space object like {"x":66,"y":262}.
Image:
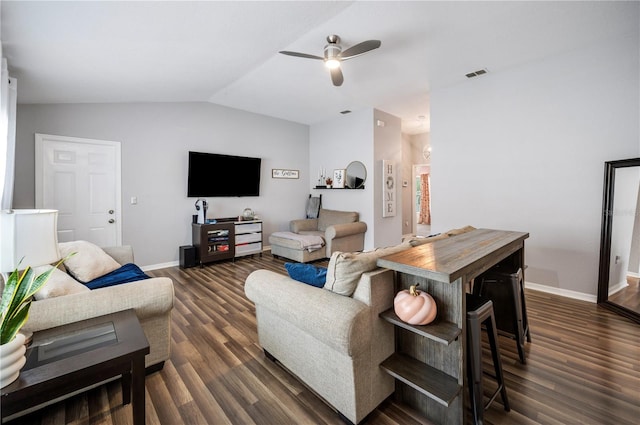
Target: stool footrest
{"x":493,"y":397}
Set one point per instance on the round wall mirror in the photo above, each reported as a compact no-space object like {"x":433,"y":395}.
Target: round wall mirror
{"x":356,"y":175}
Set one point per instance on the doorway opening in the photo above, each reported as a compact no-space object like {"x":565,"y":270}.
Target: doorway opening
{"x":422,"y":199}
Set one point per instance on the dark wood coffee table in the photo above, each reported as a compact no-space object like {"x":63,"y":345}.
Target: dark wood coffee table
{"x":72,"y":357}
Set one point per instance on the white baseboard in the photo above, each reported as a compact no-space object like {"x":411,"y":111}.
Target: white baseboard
{"x":618,"y":287}
{"x":635,"y":275}
{"x":177,"y":263}
{"x":562,"y":292}
{"x":160,"y":266}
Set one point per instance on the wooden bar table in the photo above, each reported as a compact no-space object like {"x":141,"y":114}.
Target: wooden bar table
{"x":429,"y":362}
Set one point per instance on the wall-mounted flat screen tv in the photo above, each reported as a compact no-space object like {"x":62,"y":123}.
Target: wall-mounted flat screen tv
{"x":215,"y":175}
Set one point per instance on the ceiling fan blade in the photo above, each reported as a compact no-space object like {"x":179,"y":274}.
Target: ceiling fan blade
{"x":301,"y":55}
{"x":336,"y":77}
{"x":360,"y":49}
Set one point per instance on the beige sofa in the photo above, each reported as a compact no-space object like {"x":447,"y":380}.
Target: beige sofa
{"x":340,"y":231}
{"x":331,"y":338}
{"x":152,"y":300}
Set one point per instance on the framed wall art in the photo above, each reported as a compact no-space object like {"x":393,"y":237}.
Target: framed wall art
{"x":339,"y":177}
{"x":279,"y":173}
{"x":388,"y":189}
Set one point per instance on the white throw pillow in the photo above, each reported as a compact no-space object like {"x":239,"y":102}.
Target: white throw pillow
{"x":59,"y":284}
{"x":345,"y":268}
{"x":89,"y":262}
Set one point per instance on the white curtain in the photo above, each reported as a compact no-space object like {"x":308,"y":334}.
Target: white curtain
{"x":8,"y":105}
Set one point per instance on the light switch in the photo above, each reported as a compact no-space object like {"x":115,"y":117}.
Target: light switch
{"x":134,"y":200}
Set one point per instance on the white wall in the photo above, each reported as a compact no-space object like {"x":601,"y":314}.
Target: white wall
{"x":523,"y":149}
{"x":406,"y":193}
{"x":387,"y":146}
{"x":355,"y":137}
{"x":155,"y":142}
{"x":333,"y":145}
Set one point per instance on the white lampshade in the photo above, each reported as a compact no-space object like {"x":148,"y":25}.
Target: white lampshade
{"x":30,"y":236}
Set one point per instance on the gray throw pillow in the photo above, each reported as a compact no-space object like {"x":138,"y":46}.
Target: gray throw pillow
{"x":345,"y":268}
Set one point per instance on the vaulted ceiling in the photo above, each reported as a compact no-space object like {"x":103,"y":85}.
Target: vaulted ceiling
{"x":227,"y":52}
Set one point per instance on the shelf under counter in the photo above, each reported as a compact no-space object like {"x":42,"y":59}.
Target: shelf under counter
{"x":439,"y":330}
{"x":428,"y":380}
{"x":429,"y":362}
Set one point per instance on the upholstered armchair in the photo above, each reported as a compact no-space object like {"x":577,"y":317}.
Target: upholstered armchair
{"x":316,"y":238}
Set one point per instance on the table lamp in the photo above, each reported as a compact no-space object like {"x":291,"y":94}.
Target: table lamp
{"x":30,"y":236}
{"x":27,"y":238}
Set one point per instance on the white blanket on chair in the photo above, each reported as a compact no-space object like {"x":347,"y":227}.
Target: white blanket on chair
{"x":308,"y":242}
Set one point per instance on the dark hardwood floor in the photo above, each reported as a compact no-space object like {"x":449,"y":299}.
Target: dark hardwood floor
{"x":628,"y":297}
{"x":583,"y":366}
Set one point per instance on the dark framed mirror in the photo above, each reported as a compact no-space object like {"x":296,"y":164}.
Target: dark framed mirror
{"x":619,"y":274}
{"x":356,"y":175}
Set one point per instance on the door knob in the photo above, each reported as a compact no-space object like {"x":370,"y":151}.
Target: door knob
{"x":111,"y":211}
{"x":111,"y":220}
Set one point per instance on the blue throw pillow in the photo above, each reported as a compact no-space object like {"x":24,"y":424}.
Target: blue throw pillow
{"x":307,"y":273}
{"x":125,"y":274}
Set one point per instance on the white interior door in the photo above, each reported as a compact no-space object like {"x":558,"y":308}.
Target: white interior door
{"x":81,"y":179}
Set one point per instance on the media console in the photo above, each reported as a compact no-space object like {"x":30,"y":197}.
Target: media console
{"x":225,"y":239}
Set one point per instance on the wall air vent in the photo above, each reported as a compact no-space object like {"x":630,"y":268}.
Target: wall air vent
{"x":476,"y":73}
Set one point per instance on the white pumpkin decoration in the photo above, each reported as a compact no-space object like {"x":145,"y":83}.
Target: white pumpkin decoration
{"x":415,"y":307}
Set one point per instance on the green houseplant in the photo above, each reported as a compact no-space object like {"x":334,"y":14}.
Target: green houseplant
{"x":16,"y":300}
{"x":18,"y":292}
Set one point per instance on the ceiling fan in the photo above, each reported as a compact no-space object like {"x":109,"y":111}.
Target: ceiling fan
{"x":333,"y":55}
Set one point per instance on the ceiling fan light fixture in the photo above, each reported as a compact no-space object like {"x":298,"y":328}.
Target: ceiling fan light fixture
{"x":332,"y":63}
{"x":333,"y":55}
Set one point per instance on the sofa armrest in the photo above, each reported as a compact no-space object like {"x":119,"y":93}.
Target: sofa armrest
{"x":376,"y":289}
{"x":338,"y":321}
{"x":148,"y":297}
{"x":122,"y":254}
{"x":309,"y":224}
{"x":346,"y":229}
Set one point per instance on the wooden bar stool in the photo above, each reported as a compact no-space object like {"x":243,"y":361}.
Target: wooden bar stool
{"x":479,"y":312}
{"x":506,"y":289}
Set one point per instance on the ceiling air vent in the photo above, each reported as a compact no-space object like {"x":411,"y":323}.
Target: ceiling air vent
{"x":476,"y":73}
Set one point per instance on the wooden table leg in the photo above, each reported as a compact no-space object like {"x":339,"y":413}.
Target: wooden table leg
{"x":138,"y":390}
{"x":126,"y":388}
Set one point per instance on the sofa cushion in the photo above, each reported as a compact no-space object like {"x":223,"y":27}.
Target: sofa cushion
{"x":59,"y":284}
{"x":421,"y":240}
{"x":345,"y":268}
{"x":330,"y":217}
{"x":307,"y":273}
{"x":298,"y":241}
{"x":89,"y":262}
{"x":465,"y":229}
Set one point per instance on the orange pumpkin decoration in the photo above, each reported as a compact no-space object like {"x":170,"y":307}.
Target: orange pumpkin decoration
{"x":415,"y":307}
